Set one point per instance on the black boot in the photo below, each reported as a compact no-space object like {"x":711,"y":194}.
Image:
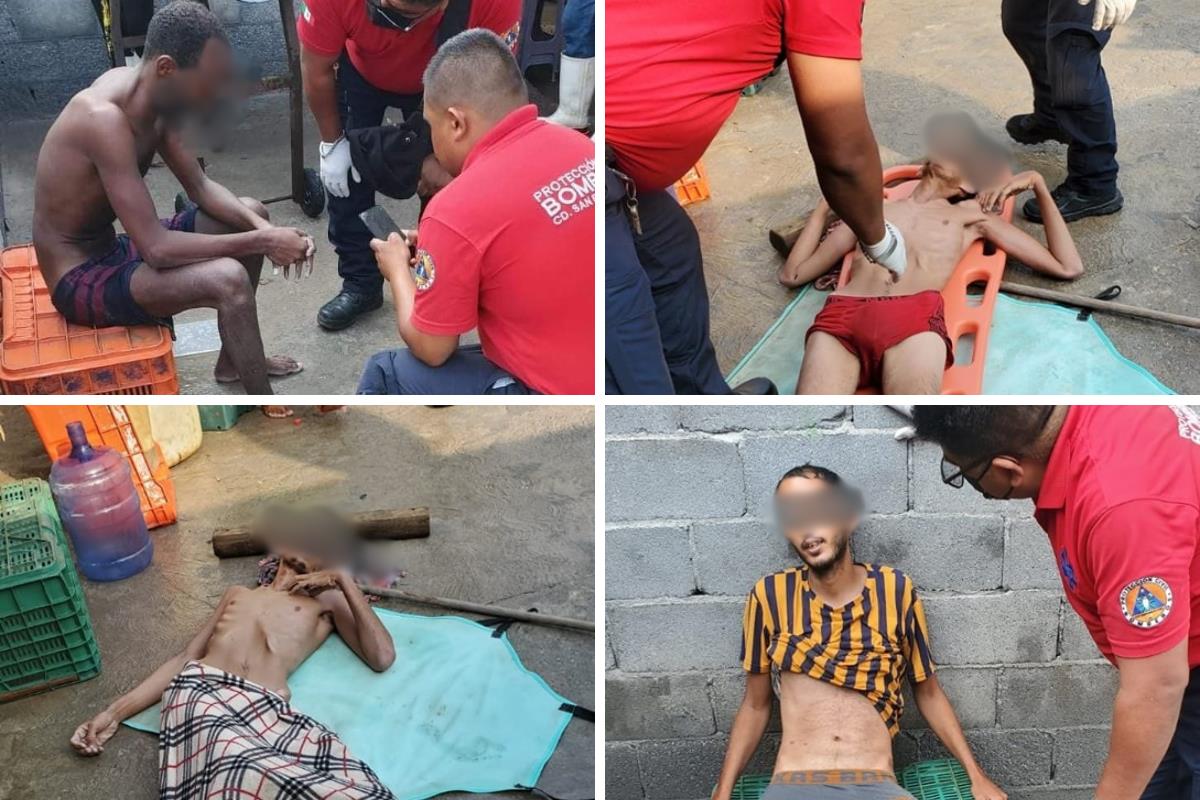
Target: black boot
{"x":1074,"y":204}
{"x":756,"y":386}
{"x":343,"y":310}
{"x":1030,"y":129}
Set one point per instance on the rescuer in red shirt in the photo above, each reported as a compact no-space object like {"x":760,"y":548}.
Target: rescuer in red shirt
{"x":358,"y":58}
{"x":1117,"y":490}
{"x":507,"y":248}
{"x":673,"y":74}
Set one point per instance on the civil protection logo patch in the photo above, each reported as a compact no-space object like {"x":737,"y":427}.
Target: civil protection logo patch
{"x":423,"y":272}
{"x":1146,"y":602}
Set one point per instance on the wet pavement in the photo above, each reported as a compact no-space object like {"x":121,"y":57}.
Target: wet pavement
{"x":511,"y":492}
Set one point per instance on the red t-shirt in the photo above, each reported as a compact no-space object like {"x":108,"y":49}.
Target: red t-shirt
{"x":674,"y":71}
{"x":389,"y":59}
{"x":508,"y":247}
{"x":1121,"y":502}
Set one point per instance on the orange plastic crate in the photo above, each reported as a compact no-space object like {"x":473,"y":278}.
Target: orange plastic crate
{"x":41,"y":353}
{"x":110,"y":426}
{"x":692,"y":187}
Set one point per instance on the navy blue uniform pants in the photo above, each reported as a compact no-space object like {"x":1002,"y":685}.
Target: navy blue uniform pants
{"x":1062,"y":53}
{"x":1178,"y":776}
{"x":656,"y":337}
{"x":360,"y":105}
{"x":468,"y":371}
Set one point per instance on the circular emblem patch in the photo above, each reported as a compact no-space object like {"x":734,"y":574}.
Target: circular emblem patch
{"x":422,"y":271}
{"x":1146,"y":602}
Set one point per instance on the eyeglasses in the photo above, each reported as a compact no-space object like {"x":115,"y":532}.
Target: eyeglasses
{"x":954,"y":475}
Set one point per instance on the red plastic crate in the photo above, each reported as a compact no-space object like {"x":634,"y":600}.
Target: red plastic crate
{"x":110,"y":426}
{"x":41,"y":353}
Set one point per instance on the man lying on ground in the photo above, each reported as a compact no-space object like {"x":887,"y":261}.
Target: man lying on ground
{"x":231,"y":683}
{"x":841,"y":637}
{"x":90,"y":173}
{"x":889,"y":332}
{"x":507,"y":248}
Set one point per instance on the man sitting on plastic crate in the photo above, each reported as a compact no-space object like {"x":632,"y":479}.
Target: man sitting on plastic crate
{"x":90,"y":174}
{"x":840,"y":637}
{"x":227,"y":728}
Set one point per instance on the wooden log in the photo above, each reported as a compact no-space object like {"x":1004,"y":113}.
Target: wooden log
{"x":390,"y":524}
{"x":482,"y":609}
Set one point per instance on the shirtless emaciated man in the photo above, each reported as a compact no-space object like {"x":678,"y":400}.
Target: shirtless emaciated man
{"x":90,"y":174}
{"x":888,"y":332}
{"x":261,"y":635}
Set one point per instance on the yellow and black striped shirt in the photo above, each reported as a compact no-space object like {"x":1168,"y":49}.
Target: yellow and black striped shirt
{"x":867,"y":645}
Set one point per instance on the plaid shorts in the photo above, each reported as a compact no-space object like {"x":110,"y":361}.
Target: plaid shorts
{"x":223,"y":737}
{"x":96,"y":293}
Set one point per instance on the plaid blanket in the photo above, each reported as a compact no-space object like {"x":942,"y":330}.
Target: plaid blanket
{"x":223,"y":737}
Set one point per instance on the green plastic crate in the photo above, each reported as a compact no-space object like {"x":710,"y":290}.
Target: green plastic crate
{"x":46,"y":634}
{"x":940,"y":779}
{"x":220,"y":418}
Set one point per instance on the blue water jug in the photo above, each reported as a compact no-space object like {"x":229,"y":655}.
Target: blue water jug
{"x":99,"y":507}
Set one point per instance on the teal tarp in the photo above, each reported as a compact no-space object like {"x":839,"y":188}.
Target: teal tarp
{"x":1034,"y":348}
{"x":457,"y":711}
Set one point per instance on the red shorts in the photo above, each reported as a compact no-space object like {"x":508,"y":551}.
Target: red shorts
{"x":868,"y":326}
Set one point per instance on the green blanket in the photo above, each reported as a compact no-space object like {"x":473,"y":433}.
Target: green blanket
{"x":457,"y":711}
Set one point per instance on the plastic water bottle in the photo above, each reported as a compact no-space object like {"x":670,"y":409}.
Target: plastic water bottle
{"x":98,"y":504}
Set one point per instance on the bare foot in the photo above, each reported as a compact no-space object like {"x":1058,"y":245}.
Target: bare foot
{"x":277,"y":367}
{"x":277,"y":412}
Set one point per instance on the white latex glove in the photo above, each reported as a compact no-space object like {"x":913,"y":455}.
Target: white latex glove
{"x":337,"y":169}
{"x":889,"y":252}
{"x":1110,"y":13}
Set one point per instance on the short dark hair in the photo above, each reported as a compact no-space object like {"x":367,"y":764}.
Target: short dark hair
{"x":978,"y":432}
{"x":180,"y":30}
{"x":475,"y":69}
{"x":812,"y":472}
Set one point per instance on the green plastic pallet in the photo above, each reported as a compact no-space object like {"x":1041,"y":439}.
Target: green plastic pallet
{"x":939,"y":779}
{"x":46,"y":634}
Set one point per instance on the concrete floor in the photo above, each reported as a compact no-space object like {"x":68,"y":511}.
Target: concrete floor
{"x":511,"y":493}
{"x":918,"y":63}
{"x":255,"y":162}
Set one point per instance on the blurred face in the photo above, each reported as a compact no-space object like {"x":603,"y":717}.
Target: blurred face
{"x":196,"y":91}
{"x":817,"y":519}
{"x":299,"y":562}
{"x":450,"y":130}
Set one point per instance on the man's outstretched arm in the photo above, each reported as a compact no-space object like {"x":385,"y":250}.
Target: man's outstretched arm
{"x":1145,"y":714}
{"x":936,"y":709}
{"x":748,"y":727}
{"x":89,"y":738}
{"x":829,"y":94}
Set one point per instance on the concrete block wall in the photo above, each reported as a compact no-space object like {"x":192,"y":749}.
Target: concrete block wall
{"x":50,"y":49}
{"x":688,"y":532}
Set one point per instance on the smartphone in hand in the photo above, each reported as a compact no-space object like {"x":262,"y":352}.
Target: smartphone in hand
{"x":380,"y":223}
